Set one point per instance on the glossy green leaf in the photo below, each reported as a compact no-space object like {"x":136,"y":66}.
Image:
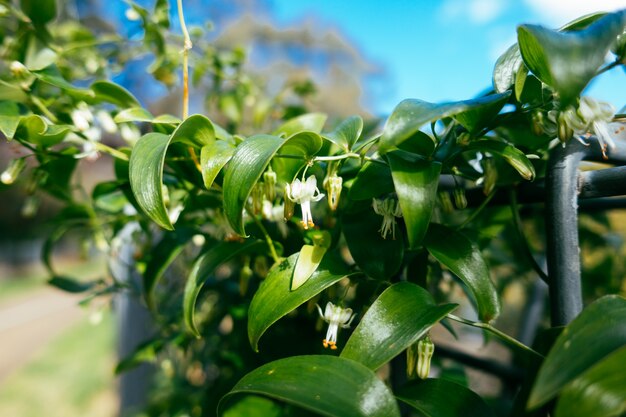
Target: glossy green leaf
{"x":416,"y":185}
{"x":106,"y":91}
{"x":38,"y":55}
{"x":70,"y":285}
{"x":274,"y":298}
{"x":511,"y":154}
{"x":40,"y":12}
{"x":161,"y":257}
{"x":213,"y":157}
{"x":399,"y":317}
{"x":373,"y":180}
{"x":346,"y":133}
{"x":463,"y":258}
{"x":35,"y":129}
{"x":8,"y":125}
{"x":253,"y":406}
{"x":305,"y":144}
{"x":377,"y":257}
{"x":411,"y":114}
{"x":251,"y":158}
{"x":148,"y":159}
{"x":309,"y":259}
{"x":420,"y":144}
{"x":204,"y":267}
{"x":134,"y":114}
{"x":506,"y":68}
{"x":311,"y":122}
{"x":599,"y":392}
{"x":331,"y":386}
{"x":597,"y":332}
{"x":567,"y":61}
{"x":443,"y":398}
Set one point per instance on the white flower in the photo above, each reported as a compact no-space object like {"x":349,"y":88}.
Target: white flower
{"x":303,"y":193}
{"x":336,"y":317}
{"x":82,"y":116}
{"x":593,"y":117}
{"x":389,"y":209}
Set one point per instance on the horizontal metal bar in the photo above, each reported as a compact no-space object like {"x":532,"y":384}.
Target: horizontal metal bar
{"x":606,"y":182}
{"x":501,"y":370}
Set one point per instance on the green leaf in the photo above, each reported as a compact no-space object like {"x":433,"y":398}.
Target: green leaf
{"x":416,"y":184}
{"x":599,"y":392}
{"x":506,"y":68}
{"x":597,"y":332}
{"x":379,"y":258}
{"x":134,"y":114}
{"x":274,"y":298}
{"x":253,"y":406}
{"x":399,"y":317}
{"x":346,"y":133}
{"x":40,"y":12}
{"x":148,"y":159}
{"x":70,"y":285}
{"x":38,"y":56}
{"x":411,"y":114}
{"x":161,"y":257}
{"x":463,"y":258}
{"x":305,"y":144}
{"x":204,"y":267}
{"x":106,"y":91}
{"x":309,"y":259}
{"x":52,"y":76}
{"x":9,"y":118}
{"x":251,"y":158}
{"x":442,"y":398}
{"x":312,"y":122}
{"x":213,"y":157}
{"x":35,"y":129}
{"x":332,"y":386}
{"x":373,"y":180}
{"x":567,"y":61}
{"x":511,"y":154}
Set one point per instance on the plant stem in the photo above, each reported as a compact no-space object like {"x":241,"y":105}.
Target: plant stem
{"x":111,"y":151}
{"x":42,"y":108}
{"x":477,"y":211}
{"x":505,"y":337}
{"x":186,"y":47}
{"x":268,"y":239}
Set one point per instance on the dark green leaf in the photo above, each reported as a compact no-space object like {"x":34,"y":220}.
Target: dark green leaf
{"x":567,"y":61}
{"x":332,"y":386}
{"x":203,"y":269}
{"x":442,"y":398}
{"x":511,"y":154}
{"x":161,"y":257}
{"x":148,"y":158}
{"x":106,"y":91}
{"x":410,"y":115}
{"x":399,"y":317}
{"x":597,"y":332}
{"x":213,"y":157}
{"x":52,"y":76}
{"x":377,"y":257}
{"x":40,"y":12}
{"x":311,"y":122}
{"x":251,"y":158}
{"x":253,"y":406}
{"x":373,"y":180}
{"x":463,"y":258}
{"x":599,"y":392}
{"x":70,"y":284}
{"x":416,"y":184}
{"x":274,"y":298}
{"x":346,"y":133}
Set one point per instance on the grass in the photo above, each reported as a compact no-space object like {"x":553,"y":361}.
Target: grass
{"x":71,"y":377}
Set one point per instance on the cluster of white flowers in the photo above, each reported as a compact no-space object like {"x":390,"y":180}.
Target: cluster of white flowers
{"x":389,"y":209}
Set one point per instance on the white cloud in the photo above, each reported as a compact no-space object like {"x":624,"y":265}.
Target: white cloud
{"x":559,"y":12}
{"x":477,"y":11}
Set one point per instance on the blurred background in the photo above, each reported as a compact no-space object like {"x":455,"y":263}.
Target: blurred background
{"x":341,"y":57}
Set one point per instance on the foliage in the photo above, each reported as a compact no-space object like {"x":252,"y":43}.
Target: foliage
{"x":218,"y":205}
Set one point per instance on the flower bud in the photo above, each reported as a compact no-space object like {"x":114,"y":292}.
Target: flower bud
{"x":30,"y":207}
{"x":14,"y":169}
{"x":290,"y":206}
{"x":425,"y":350}
{"x":459,"y":198}
{"x":564,"y":131}
{"x":537,"y":123}
{"x":333,"y":186}
{"x":490,"y":177}
{"x":269,"y":179}
{"x":257,"y":198}
{"x":18,"y":69}
{"x":445,"y":201}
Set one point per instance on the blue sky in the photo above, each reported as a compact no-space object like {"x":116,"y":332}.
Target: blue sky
{"x":441,"y":50}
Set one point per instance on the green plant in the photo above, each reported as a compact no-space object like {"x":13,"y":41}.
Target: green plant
{"x":237,"y":316}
